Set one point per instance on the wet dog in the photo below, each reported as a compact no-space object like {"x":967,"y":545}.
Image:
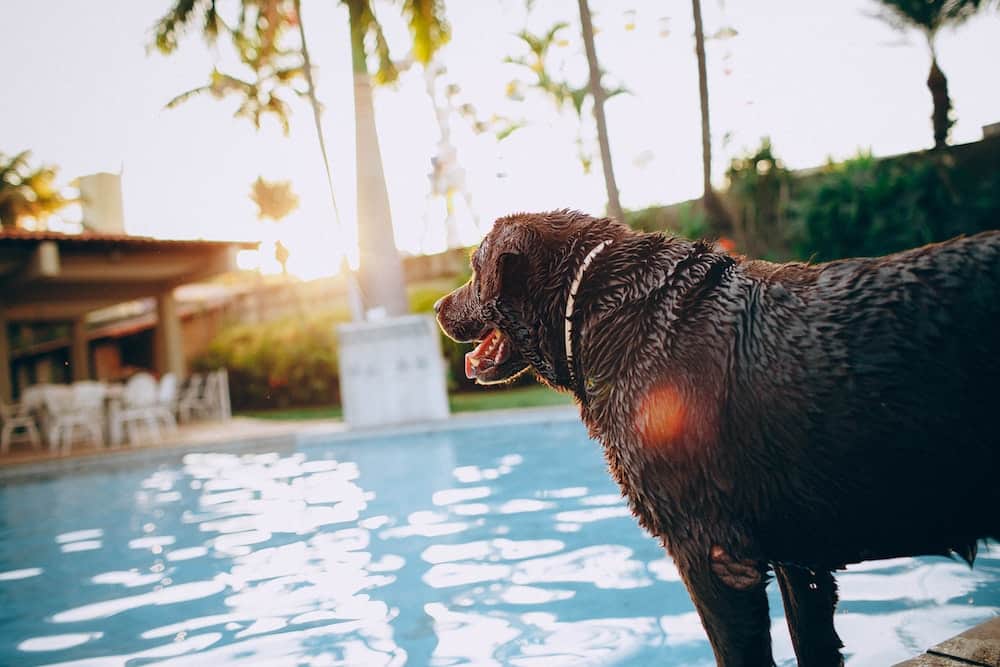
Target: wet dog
{"x":759,"y":417}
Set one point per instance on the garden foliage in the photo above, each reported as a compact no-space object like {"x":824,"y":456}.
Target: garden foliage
{"x":869,"y":207}
{"x":292,"y":361}
{"x":863,"y":206}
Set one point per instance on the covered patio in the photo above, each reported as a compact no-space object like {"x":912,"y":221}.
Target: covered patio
{"x":49,"y":277}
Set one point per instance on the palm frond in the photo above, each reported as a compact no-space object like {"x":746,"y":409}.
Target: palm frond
{"x":187,"y":95}
{"x":172,"y":25}
{"x":428,"y":27}
{"x":928,"y":15}
{"x":385,"y":69}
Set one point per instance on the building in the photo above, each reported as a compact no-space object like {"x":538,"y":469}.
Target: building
{"x":50,"y":282}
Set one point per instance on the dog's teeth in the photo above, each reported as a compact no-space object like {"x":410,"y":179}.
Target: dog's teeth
{"x":474,"y":362}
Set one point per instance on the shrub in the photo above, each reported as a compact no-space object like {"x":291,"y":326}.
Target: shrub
{"x":292,"y":361}
{"x":869,"y":207}
{"x":759,"y":185}
{"x":686,"y":219}
{"x":287,"y":362}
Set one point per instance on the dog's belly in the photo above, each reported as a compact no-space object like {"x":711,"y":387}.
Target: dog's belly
{"x":939,"y":507}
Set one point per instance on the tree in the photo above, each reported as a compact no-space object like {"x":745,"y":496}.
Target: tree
{"x":562,"y":92}
{"x":718,"y":218}
{"x":598,"y":93}
{"x":274,"y":199}
{"x":381,"y":269}
{"x":26,"y":191}
{"x":255,"y":36}
{"x":929,"y":16}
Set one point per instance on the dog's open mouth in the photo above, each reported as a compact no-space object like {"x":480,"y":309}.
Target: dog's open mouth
{"x":488,"y":355}
{"x":494,"y":360}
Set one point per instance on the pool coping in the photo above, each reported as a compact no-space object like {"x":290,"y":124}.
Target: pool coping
{"x":297,"y":434}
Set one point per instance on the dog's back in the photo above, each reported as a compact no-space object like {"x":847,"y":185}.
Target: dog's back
{"x":875,"y":380}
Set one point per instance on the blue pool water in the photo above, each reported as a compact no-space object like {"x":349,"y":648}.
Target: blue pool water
{"x":504,"y":546}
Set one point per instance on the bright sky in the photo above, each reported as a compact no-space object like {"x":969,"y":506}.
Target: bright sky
{"x":821,"y":78}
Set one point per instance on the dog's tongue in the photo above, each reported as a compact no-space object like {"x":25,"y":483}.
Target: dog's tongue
{"x":482,"y":358}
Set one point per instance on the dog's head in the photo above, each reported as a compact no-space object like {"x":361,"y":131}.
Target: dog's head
{"x":514,"y":304}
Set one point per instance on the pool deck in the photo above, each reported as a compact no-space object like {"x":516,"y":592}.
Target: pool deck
{"x":979,"y":646}
{"x":245,"y":434}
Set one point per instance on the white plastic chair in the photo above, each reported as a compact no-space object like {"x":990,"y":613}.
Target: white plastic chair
{"x":166,"y":401}
{"x":18,"y":424}
{"x":33,"y":400}
{"x":73,"y":408}
{"x":190,"y":400}
{"x":206,"y":397}
{"x":138,"y":407}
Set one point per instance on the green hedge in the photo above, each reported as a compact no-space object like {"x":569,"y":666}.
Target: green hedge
{"x":868,"y":207}
{"x":287,"y":362}
{"x":863,"y":206}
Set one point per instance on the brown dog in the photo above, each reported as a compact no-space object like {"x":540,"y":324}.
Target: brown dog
{"x":759,"y":415}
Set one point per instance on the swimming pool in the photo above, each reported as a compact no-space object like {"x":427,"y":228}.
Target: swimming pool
{"x":495,"y":545}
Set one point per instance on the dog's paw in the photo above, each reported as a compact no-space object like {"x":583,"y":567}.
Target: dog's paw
{"x":738,"y":574}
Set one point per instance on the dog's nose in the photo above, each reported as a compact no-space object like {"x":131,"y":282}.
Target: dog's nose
{"x":439,"y":303}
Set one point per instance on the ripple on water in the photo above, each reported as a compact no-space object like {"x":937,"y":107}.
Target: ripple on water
{"x":498,"y":549}
{"x":83,"y":545}
{"x":591,"y":515}
{"x":58,"y":642}
{"x":609,"y":566}
{"x":24,"y":573}
{"x":519,"y":505}
{"x":80,"y":535}
{"x":452,"y":496}
{"x":168,"y":595}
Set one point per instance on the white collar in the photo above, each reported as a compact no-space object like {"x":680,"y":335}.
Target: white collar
{"x":571,"y":301}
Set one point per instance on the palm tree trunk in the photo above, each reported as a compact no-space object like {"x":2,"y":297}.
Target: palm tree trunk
{"x":938,"y":85}
{"x":381,"y":269}
{"x":353,"y":289}
{"x":718,"y":218}
{"x":597,"y":91}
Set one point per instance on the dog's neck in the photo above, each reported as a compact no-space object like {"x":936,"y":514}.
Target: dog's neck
{"x":571,"y":304}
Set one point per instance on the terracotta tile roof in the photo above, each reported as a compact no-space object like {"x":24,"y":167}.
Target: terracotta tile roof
{"x":96,"y":237}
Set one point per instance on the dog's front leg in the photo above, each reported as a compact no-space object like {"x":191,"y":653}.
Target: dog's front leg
{"x":731,"y":600}
{"x":810,"y":599}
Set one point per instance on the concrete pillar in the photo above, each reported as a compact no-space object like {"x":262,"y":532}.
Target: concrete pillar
{"x":5,"y":388}
{"x":79,"y":351}
{"x":169,"y":347}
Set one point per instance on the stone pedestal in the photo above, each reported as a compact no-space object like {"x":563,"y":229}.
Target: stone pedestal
{"x":392,"y":371}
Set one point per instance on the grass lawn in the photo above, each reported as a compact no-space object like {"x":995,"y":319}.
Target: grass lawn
{"x":483,"y":399}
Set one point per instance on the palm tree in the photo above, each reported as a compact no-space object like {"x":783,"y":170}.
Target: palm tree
{"x":26,"y":191}
{"x":716,"y":213}
{"x":255,"y":36}
{"x":381,"y":269}
{"x":354,"y":298}
{"x":562,"y":93}
{"x":598,"y":93}
{"x":274,"y":199}
{"x":929,"y":16}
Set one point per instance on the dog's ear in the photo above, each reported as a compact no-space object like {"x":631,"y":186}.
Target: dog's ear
{"x":506,"y":275}
{"x":503,"y":263}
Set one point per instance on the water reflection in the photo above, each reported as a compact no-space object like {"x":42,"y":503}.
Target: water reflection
{"x":481,"y":548}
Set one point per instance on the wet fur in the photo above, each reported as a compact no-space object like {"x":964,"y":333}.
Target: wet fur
{"x":832,"y":413}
